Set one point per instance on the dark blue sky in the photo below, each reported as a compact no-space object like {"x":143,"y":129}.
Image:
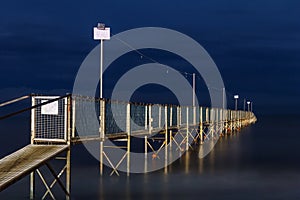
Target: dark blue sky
{"x":255,"y":44}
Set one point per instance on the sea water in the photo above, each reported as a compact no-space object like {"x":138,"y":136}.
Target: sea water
{"x":260,"y":162}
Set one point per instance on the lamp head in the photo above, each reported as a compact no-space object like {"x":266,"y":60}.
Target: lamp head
{"x":101,"y":26}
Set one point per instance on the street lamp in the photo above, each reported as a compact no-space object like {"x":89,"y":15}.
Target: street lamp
{"x":248,"y":103}
{"x":236,"y":98}
{"x":101,"y":33}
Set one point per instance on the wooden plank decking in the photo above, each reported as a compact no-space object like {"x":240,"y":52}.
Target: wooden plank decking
{"x":20,"y":163}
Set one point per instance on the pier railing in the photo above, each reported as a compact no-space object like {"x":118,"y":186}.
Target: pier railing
{"x":58,"y":121}
{"x":50,"y":115}
{"x":170,"y":125}
{"x":149,"y":117}
{"x":89,"y":118}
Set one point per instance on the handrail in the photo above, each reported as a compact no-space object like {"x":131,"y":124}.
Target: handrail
{"x":32,"y":107}
{"x":14,"y":100}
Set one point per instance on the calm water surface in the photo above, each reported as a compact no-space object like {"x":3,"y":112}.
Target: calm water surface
{"x":261,"y":162}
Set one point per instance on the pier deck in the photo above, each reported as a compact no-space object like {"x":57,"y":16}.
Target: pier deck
{"x":20,"y":163}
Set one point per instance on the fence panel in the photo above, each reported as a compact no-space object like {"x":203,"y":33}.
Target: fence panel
{"x":49,"y":121}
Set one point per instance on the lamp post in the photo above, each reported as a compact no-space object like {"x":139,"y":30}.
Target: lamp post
{"x":101,"y":33}
{"x":248,"y":103}
{"x":236,"y":98}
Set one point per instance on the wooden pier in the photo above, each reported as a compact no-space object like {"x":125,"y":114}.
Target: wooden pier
{"x":22,"y":162}
{"x":59,"y":122}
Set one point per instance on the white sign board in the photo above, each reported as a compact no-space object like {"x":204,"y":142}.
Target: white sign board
{"x":49,"y":109}
{"x":101,"y":34}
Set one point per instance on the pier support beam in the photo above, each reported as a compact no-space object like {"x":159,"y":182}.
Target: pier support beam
{"x":150,"y":119}
{"x":32,"y":185}
{"x":146,"y":117}
{"x":194,"y":115}
{"x":231,"y":120}
{"x":217,"y":122}
{"x":68,"y":174}
{"x":171,"y":124}
{"x":32,"y":174}
{"x":220,"y":122}
{"x":201,"y":126}
{"x":187,"y":129}
{"x":102,"y":132}
{"x":211,"y":124}
{"x":159,"y":116}
{"x":70,"y":132}
{"x":128,"y":130}
{"x":146,"y":153}
{"x":206,"y":115}
{"x":166,"y":139}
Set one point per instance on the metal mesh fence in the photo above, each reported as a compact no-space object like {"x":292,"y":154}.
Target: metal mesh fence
{"x":191,"y":115}
{"x":115,"y":117}
{"x":156,"y":111}
{"x":140,"y":114}
{"x":87,"y":123}
{"x":183,"y":115}
{"x":162,"y":118}
{"x":50,"y":120}
{"x":137,"y":114}
{"x":197,"y":114}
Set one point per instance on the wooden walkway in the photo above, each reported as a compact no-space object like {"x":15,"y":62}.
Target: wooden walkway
{"x":20,"y":163}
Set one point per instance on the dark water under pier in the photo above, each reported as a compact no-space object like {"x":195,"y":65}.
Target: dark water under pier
{"x":260,"y":162}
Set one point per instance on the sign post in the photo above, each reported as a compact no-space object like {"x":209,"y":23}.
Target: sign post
{"x":101,"y":33}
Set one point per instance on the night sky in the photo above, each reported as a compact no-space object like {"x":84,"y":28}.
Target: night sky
{"x":255,"y":44}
